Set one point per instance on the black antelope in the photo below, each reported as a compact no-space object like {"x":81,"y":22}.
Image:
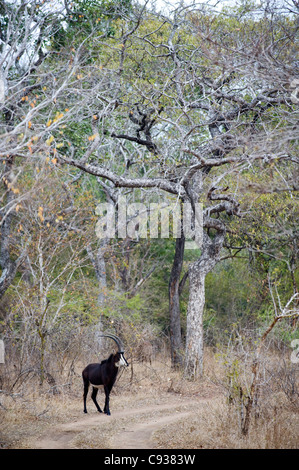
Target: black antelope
{"x":103,"y":373}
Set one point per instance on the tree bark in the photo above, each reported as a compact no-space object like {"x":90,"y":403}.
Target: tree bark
{"x":174,"y":304}
{"x":197,"y":274}
{"x":98,"y":261}
{"x":194,"y":339}
{"x":99,"y":264}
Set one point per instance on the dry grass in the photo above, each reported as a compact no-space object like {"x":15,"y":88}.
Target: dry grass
{"x":217,"y":426}
{"x":30,"y":411}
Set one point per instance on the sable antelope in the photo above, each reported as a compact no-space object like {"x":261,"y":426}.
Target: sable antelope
{"x":103,"y":373}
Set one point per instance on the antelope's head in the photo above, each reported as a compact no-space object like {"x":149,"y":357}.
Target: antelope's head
{"x":120,"y":360}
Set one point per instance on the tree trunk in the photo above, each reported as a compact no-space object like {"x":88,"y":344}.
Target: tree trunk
{"x":174,"y":304}
{"x":98,"y":261}
{"x":99,"y":264}
{"x":101,"y":271}
{"x":194,"y":339}
{"x":197,"y":273}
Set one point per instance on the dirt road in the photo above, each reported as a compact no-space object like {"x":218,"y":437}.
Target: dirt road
{"x":134,"y":427}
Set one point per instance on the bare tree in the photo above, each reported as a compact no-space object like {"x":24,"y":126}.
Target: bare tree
{"x":55,"y":257}
{"x":24,"y":27}
{"x":183,"y":104}
{"x":205,"y":116}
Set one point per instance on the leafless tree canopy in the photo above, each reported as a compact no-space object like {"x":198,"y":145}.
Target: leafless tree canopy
{"x":179,"y":105}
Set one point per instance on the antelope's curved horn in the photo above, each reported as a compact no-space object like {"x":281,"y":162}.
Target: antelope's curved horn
{"x":119,"y":342}
{"x":116,"y":339}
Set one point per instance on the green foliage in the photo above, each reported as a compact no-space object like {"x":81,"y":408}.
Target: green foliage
{"x":233,"y":291}
{"x":118,"y":307}
{"x":85,"y":17}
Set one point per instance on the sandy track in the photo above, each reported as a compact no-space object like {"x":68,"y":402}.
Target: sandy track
{"x":139,"y":436}
{"x":135,"y":434}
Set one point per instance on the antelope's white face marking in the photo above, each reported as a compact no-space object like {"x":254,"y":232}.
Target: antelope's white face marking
{"x":122,"y":361}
